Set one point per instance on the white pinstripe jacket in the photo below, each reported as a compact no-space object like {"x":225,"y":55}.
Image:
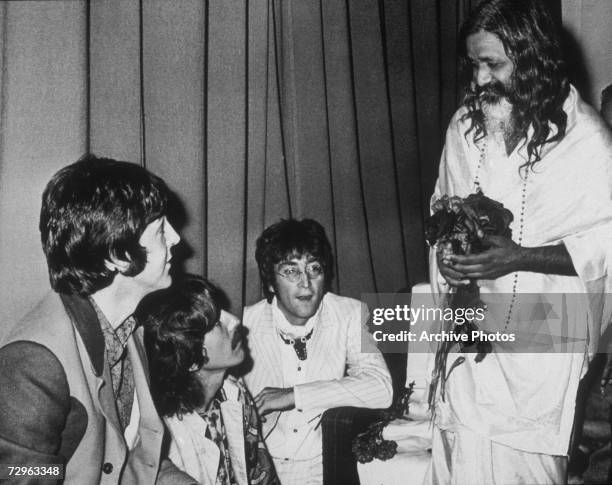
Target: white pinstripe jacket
{"x":338,"y":372}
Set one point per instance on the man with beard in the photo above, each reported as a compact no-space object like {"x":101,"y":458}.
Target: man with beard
{"x":311,"y":349}
{"x":526,"y":139}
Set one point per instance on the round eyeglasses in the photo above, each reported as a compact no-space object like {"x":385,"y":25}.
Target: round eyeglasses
{"x":293,"y":274}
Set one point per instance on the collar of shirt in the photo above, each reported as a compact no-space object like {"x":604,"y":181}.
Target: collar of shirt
{"x":115,"y":339}
{"x":215,"y":404}
{"x":216,"y":432}
{"x":293,"y":331}
{"x":219,"y":397}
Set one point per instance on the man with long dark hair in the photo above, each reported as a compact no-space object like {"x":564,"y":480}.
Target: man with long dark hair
{"x":213,"y":423}
{"x":75,"y":401}
{"x":524,"y":138}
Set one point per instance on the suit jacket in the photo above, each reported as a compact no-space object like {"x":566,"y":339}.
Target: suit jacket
{"x":198,"y":455}
{"x":61,"y":408}
{"x":345,"y":367}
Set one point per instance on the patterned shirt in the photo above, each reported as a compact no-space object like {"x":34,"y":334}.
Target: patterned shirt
{"x":122,"y":376}
{"x":259,"y":462}
{"x":186,"y":432}
{"x":216,"y":432}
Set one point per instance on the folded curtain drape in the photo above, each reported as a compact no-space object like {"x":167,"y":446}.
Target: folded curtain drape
{"x":251,"y":111}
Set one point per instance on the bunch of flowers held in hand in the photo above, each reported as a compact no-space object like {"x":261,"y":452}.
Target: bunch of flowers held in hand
{"x":458,"y":226}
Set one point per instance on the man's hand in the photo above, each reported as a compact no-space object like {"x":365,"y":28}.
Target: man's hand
{"x":502,"y":257}
{"x":452,"y":276}
{"x":274,"y":399}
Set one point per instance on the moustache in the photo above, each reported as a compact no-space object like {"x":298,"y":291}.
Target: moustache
{"x":239,"y":336}
{"x":492,"y":92}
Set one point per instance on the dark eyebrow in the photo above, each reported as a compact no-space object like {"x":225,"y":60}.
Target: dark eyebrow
{"x":487,"y":59}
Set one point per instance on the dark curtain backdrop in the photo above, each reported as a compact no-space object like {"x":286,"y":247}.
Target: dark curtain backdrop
{"x":255,"y":111}
{"x":326,"y":109}
{"x":251,"y":110}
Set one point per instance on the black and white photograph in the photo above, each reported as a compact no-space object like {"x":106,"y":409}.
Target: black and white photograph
{"x":306,"y":242}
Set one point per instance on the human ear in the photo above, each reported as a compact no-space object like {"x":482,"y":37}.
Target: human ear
{"x":116,"y":264}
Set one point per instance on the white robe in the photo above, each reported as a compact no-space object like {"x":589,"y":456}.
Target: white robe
{"x":526,"y":400}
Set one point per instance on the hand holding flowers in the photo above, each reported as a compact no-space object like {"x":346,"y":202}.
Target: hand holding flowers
{"x":472,"y":237}
{"x":501,"y":257}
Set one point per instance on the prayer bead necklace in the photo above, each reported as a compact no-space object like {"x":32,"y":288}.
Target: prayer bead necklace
{"x":519,"y":241}
{"x":483,"y":150}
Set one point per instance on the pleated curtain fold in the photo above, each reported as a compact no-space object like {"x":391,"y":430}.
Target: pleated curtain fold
{"x":251,"y":111}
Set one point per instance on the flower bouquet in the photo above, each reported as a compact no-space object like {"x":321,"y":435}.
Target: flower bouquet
{"x":458,"y":226}
{"x":370,"y":444}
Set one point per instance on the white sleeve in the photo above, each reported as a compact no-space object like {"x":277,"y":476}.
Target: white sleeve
{"x":367,"y":383}
{"x":590,"y":247}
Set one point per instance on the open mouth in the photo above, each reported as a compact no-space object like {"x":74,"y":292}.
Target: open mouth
{"x":305,"y":297}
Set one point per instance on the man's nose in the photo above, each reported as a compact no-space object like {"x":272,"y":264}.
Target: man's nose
{"x":172,"y":237}
{"x":230,"y":321}
{"x":483,"y":76}
{"x":304,"y":280}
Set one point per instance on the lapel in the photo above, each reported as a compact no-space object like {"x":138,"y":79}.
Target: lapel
{"x":268,"y":365}
{"x":191,"y":450}
{"x":197,"y":452}
{"x":268,"y":369}
{"x":233,"y":422}
{"x":322,"y":344}
{"x":138,"y":338}
{"x":107,"y":402}
{"x":86,"y":322}
{"x":150,"y":426}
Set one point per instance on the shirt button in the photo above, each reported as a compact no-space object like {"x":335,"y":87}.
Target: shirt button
{"x":107,"y":468}
{"x":299,"y":368}
{"x":295,"y":430}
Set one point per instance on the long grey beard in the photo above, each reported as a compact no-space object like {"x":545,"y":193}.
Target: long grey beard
{"x":499,"y":118}
{"x":500,"y":121}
